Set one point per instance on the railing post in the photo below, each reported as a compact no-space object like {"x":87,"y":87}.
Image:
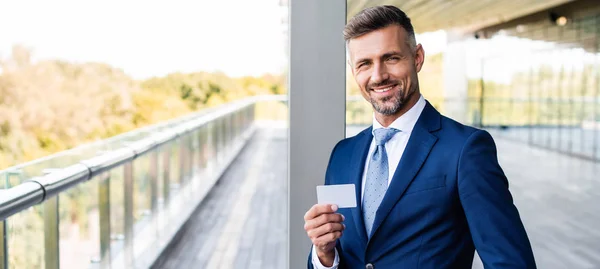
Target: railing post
{"x":243,"y":114}
{"x":51,"y":237}
{"x":210,"y":141}
{"x":3,"y":246}
{"x":154,"y":182}
{"x":188,"y":150}
{"x":214,"y":132}
{"x":182,"y":160}
{"x":228,"y":132}
{"x":234,"y":118}
{"x":198,"y":152}
{"x":252,"y":114}
{"x":191,"y":150}
{"x":186,"y":153}
{"x":234,"y":125}
{"x":166,"y":151}
{"x":223,"y":137}
{"x":128,"y":206}
{"x":51,"y":231}
{"x":192,"y":163}
{"x":104,"y":211}
{"x":242,"y":117}
{"x":154,"y":190}
{"x":247,"y":115}
{"x":225,"y":140}
{"x":241,"y":123}
{"x":238,"y":122}
{"x":201,"y":150}
{"x":217,"y":138}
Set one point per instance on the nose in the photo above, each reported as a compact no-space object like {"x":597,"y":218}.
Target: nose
{"x":379,"y":74}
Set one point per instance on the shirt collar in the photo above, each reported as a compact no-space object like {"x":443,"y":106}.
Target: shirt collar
{"x":407,"y":121}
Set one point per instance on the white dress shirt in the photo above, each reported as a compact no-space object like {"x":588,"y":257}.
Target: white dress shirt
{"x":394,"y":148}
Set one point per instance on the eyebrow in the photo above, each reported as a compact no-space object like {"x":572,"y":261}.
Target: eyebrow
{"x":391,"y":53}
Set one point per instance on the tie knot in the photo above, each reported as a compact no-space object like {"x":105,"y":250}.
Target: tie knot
{"x":383,"y":135}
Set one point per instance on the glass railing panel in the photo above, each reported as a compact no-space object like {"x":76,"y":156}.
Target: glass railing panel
{"x":79,"y":225}
{"x":25,"y":238}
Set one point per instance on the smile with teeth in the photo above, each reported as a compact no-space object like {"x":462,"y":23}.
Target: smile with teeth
{"x":384,"y":89}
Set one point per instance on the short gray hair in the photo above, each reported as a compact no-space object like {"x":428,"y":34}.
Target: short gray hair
{"x":375,"y":18}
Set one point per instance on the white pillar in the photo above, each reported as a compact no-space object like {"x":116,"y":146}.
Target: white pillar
{"x":317,"y":108}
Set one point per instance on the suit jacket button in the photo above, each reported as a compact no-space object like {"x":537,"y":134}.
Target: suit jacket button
{"x":369,"y":266}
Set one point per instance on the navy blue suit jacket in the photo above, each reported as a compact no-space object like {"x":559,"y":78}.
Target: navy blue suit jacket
{"x":447,"y":198}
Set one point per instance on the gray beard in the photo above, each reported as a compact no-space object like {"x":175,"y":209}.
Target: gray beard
{"x":384,"y":107}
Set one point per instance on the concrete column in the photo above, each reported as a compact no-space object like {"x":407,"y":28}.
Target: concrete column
{"x":317,"y":108}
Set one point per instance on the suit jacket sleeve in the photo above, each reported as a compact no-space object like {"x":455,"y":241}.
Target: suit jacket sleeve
{"x":494,"y":222}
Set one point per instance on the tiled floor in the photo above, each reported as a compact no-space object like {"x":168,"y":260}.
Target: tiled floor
{"x":559,"y":200}
{"x":242,"y":223}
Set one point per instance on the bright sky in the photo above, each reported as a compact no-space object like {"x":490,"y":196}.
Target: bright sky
{"x":146,"y":38}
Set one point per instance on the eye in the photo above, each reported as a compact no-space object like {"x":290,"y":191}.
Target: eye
{"x":393,"y":59}
{"x":361,"y":64}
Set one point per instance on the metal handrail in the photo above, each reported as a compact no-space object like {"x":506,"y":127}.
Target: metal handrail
{"x":40,"y":189}
{"x":146,"y":129}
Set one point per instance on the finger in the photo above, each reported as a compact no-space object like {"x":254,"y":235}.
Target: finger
{"x":318,"y":209}
{"x":325,"y":229}
{"x":327,"y":239}
{"x":323,"y":219}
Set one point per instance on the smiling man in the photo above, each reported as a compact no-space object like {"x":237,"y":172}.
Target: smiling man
{"x":430,"y":189}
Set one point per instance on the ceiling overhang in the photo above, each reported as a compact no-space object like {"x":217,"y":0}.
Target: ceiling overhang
{"x":464,"y":16}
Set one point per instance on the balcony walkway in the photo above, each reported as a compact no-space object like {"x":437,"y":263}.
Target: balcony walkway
{"x":242,"y":222}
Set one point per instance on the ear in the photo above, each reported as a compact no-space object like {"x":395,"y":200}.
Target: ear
{"x":419,"y":57}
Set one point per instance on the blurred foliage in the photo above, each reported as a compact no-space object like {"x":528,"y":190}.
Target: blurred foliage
{"x":546,"y":95}
{"x":51,"y":105}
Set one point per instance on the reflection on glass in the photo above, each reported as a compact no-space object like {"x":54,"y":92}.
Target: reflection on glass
{"x":552,"y":87}
{"x":25,"y":236}
{"x":79,"y":226}
{"x":117,"y":217}
{"x":144,"y":229}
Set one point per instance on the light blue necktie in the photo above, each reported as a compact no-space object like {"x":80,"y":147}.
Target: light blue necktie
{"x":377,"y":177}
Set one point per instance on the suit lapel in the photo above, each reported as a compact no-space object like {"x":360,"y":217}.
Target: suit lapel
{"x":417,"y":149}
{"x":359,"y":157}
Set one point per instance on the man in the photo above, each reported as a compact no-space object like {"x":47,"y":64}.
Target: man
{"x":431,"y":190}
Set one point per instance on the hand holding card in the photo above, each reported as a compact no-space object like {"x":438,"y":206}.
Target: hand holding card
{"x":342,"y":195}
